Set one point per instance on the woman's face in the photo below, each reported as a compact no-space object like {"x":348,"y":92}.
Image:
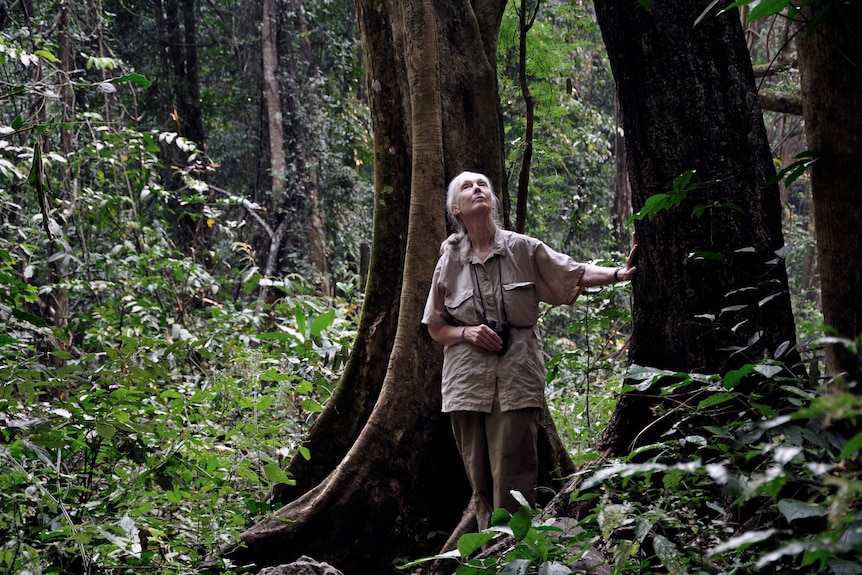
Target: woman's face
{"x":474,"y":196}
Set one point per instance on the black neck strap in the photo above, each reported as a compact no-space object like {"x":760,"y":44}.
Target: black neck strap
{"x":505,"y":317}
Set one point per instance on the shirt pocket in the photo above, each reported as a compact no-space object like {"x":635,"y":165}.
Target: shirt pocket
{"x":522,"y":303}
{"x":462,"y":308}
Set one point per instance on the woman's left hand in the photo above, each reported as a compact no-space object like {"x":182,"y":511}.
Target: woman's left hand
{"x":630,"y":269}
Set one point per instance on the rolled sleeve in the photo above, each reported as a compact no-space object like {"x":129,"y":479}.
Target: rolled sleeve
{"x":435,"y":310}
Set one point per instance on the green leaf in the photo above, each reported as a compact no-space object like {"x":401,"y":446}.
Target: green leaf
{"x":732,"y":378}
{"x":669,"y":555}
{"x":795,"y":509}
{"x":500,"y":517}
{"x":265,"y":402}
{"x":470,"y":543}
{"x":278,"y":335}
{"x":322,"y":322}
{"x":276,"y":474}
{"x":854,"y":445}
{"x":481,"y":569}
{"x":516,"y":567}
{"x":454,"y":554}
{"x":312,"y":406}
{"x":743,"y":541}
{"x":47,"y":56}
{"x":521,"y":522}
{"x":106,"y":431}
{"x":795,"y":170}
{"x":716,"y":399}
{"x":680,"y":184}
{"x":706,"y":11}
{"x":134,"y":79}
{"x":768,"y":370}
{"x":18,"y":122}
{"x":647,"y":376}
{"x":653,"y":205}
{"x":301,"y":320}
{"x":24,"y":316}
{"x":7,"y":340}
{"x":767,"y":8}
{"x":273,"y":374}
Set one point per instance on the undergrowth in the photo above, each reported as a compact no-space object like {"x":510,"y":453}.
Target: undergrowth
{"x":733,"y":486}
{"x":149,"y":451}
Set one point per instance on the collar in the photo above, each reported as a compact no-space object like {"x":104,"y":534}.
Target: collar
{"x":467,"y":254}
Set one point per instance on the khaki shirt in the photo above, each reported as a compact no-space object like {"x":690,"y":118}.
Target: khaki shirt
{"x":531,"y":272}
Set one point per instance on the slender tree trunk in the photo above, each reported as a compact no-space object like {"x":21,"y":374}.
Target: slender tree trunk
{"x":296,"y":200}
{"x":272,"y":94}
{"x":318,"y":254}
{"x":711,"y":293}
{"x":525,"y":22}
{"x":830,"y":63}
{"x":317,"y":236}
{"x":275,"y":124}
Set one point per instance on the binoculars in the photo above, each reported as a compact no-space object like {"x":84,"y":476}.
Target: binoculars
{"x":503,"y":332}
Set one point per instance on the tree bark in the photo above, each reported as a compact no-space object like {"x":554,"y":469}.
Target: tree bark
{"x":54,"y":303}
{"x":621,"y":182}
{"x":302,"y":57}
{"x":830,"y":64}
{"x":711,"y":293}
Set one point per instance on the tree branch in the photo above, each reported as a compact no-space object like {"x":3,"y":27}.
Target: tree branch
{"x":781,"y":101}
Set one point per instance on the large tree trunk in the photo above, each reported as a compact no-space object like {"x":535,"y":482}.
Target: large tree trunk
{"x":382,"y":497}
{"x":711,"y":293}
{"x":384,"y":471}
{"x":472,"y":140}
{"x":348,"y":409}
{"x":830,"y":63}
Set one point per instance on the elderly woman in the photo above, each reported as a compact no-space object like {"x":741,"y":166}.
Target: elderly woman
{"x":483,"y":307}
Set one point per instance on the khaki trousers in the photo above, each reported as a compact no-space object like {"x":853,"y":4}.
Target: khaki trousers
{"x":499,"y":453}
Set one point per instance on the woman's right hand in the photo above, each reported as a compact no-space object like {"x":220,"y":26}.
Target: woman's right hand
{"x":483,"y":336}
{"x":478,"y":335}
